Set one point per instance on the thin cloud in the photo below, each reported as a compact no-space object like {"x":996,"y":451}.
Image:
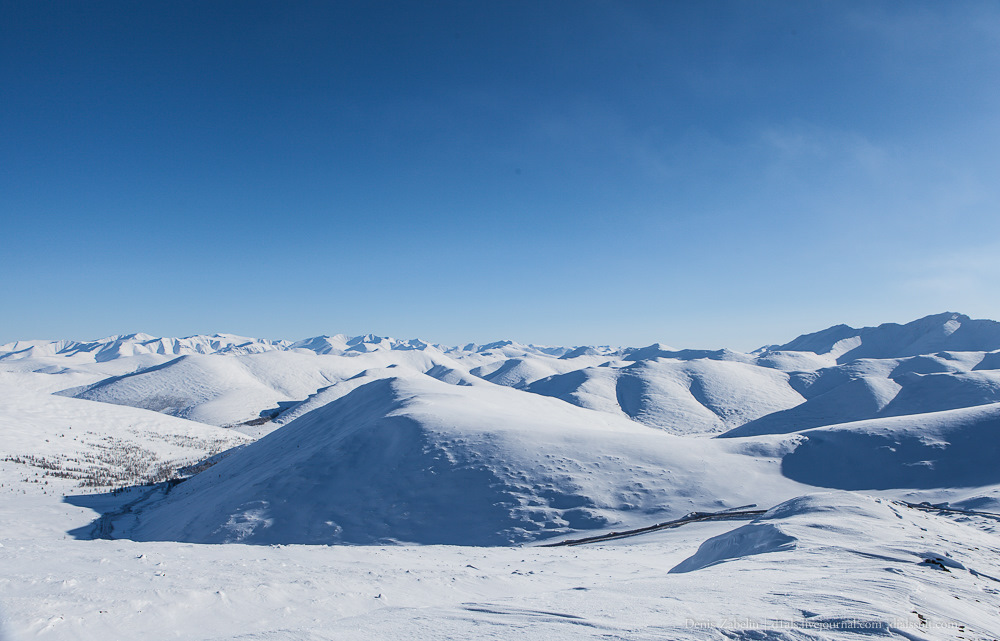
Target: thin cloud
{"x":795,"y":144}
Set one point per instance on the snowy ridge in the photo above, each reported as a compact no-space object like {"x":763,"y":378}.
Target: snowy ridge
{"x":936,"y":333}
{"x":113,"y":347}
{"x":872,"y":388}
{"x":126,"y":345}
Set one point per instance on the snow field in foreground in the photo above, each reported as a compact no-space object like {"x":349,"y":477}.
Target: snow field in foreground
{"x":846,"y":567}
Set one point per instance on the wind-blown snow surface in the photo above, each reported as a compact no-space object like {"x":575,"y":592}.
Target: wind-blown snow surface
{"x":376,"y":441}
{"x":824,"y":566}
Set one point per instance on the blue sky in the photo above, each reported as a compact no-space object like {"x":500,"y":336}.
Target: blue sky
{"x":703,"y":174}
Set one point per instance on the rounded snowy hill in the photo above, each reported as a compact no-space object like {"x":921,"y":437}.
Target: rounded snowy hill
{"x":418,"y":460}
{"x":702,"y":395}
{"x":228,"y":389}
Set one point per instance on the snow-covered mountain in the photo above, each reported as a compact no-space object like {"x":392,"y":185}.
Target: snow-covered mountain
{"x":828,"y":378}
{"x":123,"y":346}
{"x":837,"y":375}
{"x":937,"y":333}
{"x":415,"y":459}
{"x":112,"y":347}
{"x":394,"y":447}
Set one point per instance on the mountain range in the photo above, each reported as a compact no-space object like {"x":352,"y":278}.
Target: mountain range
{"x":386,"y":436}
{"x":218,"y":487}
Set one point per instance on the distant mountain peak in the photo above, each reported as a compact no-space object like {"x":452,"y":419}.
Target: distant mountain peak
{"x":947,"y":331}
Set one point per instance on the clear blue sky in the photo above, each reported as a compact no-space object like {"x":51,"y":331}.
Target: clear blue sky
{"x":703,"y":174}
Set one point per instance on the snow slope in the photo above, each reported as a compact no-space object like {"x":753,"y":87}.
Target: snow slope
{"x":100,"y":444}
{"x":949,"y":449}
{"x":54,"y":446}
{"x":414,"y":459}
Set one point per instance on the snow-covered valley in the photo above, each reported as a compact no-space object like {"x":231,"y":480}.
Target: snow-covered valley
{"x":223,"y":487}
